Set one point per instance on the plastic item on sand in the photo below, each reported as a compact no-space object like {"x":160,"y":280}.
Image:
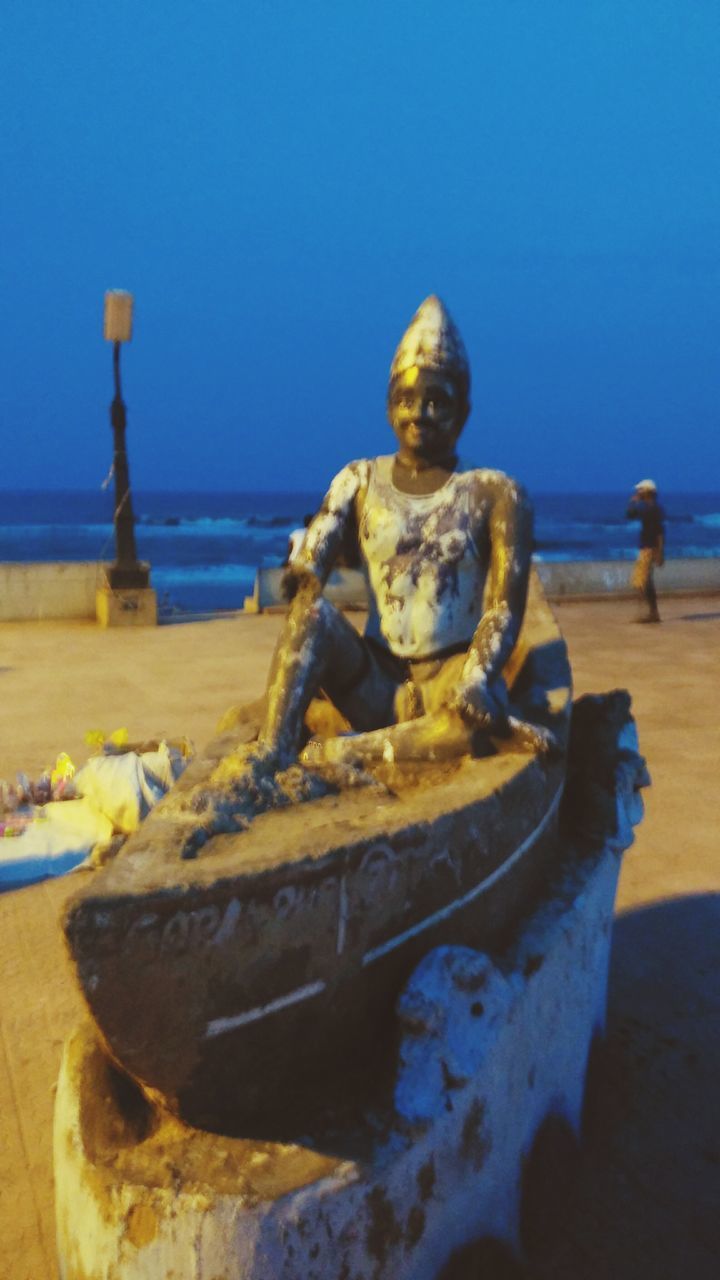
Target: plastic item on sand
{"x":99,"y":738}
{"x":64,"y":770}
{"x":64,"y":836}
{"x":66,"y":818}
{"x":54,"y":784}
{"x":13,"y":824}
{"x":126,"y":786}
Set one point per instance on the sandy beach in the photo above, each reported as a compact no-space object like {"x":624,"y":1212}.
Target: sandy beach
{"x":646,"y":1193}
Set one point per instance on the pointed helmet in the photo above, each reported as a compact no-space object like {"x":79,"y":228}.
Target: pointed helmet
{"x":432,"y":341}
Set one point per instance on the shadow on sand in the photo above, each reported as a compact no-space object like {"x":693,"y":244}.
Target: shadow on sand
{"x":646,"y":1184}
{"x":179,"y":618}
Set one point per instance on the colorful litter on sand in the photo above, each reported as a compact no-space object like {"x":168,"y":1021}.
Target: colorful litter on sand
{"x":68,"y":817}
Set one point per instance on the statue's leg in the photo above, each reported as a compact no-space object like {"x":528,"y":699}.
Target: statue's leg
{"x":427,"y":728}
{"x":420,"y":727}
{"x":319,"y":648}
{"x":442,"y":735}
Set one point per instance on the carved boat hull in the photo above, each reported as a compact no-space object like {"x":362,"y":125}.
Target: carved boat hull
{"x":243,"y":985}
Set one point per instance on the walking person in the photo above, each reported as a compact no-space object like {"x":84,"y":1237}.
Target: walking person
{"x":645,"y":507}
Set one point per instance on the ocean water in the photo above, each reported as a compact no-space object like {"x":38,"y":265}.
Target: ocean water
{"x":205,"y":548}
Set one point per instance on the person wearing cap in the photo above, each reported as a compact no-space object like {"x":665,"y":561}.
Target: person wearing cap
{"x":446,"y":554}
{"x":645,"y":507}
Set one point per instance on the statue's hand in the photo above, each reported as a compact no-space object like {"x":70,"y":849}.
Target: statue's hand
{"x":482,"y":705}
{"x":296,"y":578}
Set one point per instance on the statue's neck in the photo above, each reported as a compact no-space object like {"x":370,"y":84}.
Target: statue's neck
{"x":422,"y":477}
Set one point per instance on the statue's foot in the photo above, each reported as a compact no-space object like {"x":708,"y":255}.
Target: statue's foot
{"x":252,"y":780}
{"x":248,"y":766}
{"x":241,"y":786}
{"x":531,"y":738}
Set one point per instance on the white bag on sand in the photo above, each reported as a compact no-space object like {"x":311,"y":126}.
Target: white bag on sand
{"x":125,"y":787}
{"x":62,"y":836}
{"x":116,"y":792}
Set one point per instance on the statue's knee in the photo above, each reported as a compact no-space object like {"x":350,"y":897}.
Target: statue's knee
{"x":309,"y":611}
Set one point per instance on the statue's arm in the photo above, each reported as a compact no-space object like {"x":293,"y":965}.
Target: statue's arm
{"x":325,"y":535}
{"x":511,"y":542}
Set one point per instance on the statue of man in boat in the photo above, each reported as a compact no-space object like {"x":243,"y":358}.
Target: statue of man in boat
{"x":302,"y":927}
{"x":446,"y":552}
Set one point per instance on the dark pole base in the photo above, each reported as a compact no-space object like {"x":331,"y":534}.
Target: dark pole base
{"x":125,"y":577}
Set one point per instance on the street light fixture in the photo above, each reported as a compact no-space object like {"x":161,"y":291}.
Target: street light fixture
{"x":127,"y":572}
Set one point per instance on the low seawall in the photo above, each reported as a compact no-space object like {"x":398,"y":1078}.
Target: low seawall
{"x":592,"y":579}
{"x":561,"y":580}
{"x":66,"y":589}
{"x":39,"y":591}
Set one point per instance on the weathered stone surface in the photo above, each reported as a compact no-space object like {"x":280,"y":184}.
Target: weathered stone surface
{"x":302,"y":929}
{"x":199,"y":988}
{"x":605,"y":771}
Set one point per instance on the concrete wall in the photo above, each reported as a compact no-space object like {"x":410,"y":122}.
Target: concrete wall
{"x":591,"y":578}
{"x":37,"y":591}
{"x":568,"y":579}
{"x":67,"y":590}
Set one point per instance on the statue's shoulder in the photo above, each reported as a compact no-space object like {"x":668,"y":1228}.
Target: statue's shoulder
{"x":493,"y":485}
{"x":353,"y":476}
{"x":487,"y":476}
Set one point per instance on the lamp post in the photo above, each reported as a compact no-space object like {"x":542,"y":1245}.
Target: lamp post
{"x":127,"y":572}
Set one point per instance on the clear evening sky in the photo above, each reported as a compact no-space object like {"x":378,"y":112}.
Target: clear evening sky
{"x":281,"y":184}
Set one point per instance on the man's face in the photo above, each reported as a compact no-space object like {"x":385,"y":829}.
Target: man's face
{"x":427,"y":414}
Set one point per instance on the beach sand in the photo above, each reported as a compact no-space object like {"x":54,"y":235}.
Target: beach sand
{"x":646,"y":1192}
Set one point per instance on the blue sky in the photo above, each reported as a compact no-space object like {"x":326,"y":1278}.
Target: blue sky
{"x":281,"y":185}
